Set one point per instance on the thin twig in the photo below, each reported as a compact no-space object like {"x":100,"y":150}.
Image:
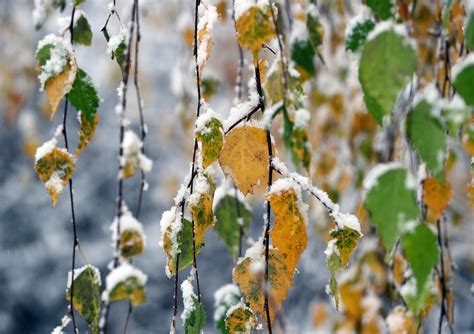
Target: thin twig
{"x":71,"y":194}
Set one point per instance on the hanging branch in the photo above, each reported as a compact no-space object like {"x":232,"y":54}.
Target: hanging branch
{"x":123,"y":103}
{"x":239,"y":81}
{"x":75,"y":241}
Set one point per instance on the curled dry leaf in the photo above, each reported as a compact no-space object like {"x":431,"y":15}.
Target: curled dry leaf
{"x":57,"y":87}
{"x":244,"y":157}
{"x":437,"y":195}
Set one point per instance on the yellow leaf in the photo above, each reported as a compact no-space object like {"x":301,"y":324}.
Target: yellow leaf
{"x":244,"y":157}
{"x":251,"y":280}
{"x":255,"y":27}
{"x":55,"y":169}
{"x":200,"y":206}
{"x":206,"y":22}
{"x":131,"y":243}
{"x":400,"y":321}
{"x":352,"y":293}
{"x":436,"y":195}
{"x":346,"y":242}
{"x":240,"y":319}
{"x":398,"y":269}
{"x":86,"y":133}
{"x":57,"y":87}
{"x":289,"y":232}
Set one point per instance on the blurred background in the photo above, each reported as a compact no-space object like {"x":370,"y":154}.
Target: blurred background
{"x":36,"y":239}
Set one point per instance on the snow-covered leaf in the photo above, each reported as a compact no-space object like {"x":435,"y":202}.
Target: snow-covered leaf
{"x":210,"y":134}
{"x":126,"y":283}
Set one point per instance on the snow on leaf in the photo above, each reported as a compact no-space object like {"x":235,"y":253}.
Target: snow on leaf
{"x":200,"y":206}
{"x":240,"y":319}
{"x":225,"y":297}
{"x":125,"y":283}
{"x":244,"y":157}
{"x":251,"y":280}
{"x":386,"y":65}
{"x":133,"y":157}
{"x":194,"y":314}
{"x":392,"y":204}
{"x":207,"y":18}
{"x":210,"y":134}
{"x":290,"y":222}
{"x":86,"y":133}
{"x":86,"y":298}
{"x":54,"y":169}
{"x":400,"y":320}
{"x":255,"y":27}
{"x":132,"y":237}
{"x":428,"y":136}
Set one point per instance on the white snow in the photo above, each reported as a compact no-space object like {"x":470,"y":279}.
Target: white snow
{"x":270,"y":113}
{"x":389,"y":25}
{"x":132,"y":154}
{"x":241,"y":6}
{"x":171,"y":223}
{"x":241,"y":110}
{"x":255,"y":252}
{"x":115,"y":41}
{"x":204,"y":119}
{"x":396,"y":320}
{"x":348,"y":220}
{"x":46,"y":148}
{"x":302,"y":117}
{"x":331,"y":248}
{"x":461,"y":65}
{"x":55,"y":182}
{"x":299,"y":32}
{"x":227,"y":189}
{"x":58,"y":60}
{"x":78,"y":271}
{"x":224,"y":297}
{"x":201,"y":187}
{"x":371,"y":179}
{"x":188,"y":299}
{"x":64,"y":322}
{"x":121,"y":274}
{"x":39,"y":12}
{"x":207,"y":18}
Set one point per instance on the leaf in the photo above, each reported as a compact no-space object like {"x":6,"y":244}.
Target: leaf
{"x":436,"y":195}
{"x":209,"y":87}
{"x":87,"y":295}
{"x":302,"y":53}
{"x":211,"y":137}
{"x":227,"y":212}
{"x":120,"y":55}
{"x":250,"y":281}
{"x":244,"y":157}
{"x":77,"y":2}
{"x":358,"y":35}
{"x":55,"y":169}
{"x":428,"y":136}
{"x":255,"y":27}
{"x":82,"y":32}
{"x":421,"y":250}
{"x":341,"y":246}
{"x":196,"y":320}
{"x":240,"y":319}
{"x":126,"y":283}
{"x":226,"y":297}
{"x":200,"y":206}
{"x":86,"y":132}
{"x":463,"y":79}
{"x":57,"y":87}
{"x":419,"y":301}
{"x":386,"y":65}
{"x":315,"y":30}
{"x":469,"y":31}
{"x":381,"y":8}
{"x":131,"y":243}
{"x":208,"y":17}
{"x":289,"y":224}
{"x":392,"y":204}
{"x":83,"y":96}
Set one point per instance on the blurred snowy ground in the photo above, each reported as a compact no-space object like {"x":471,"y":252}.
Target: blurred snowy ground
{"x":36,"y":239}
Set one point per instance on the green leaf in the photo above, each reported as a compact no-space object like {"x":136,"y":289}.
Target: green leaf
{"x":421,"y":250}
{"x":83,"y":95}
{"x":82,"y":32}
{"x":211,"y":137}
{"x":457,"y":114}
{"x":427,"y":135}
{"x":381,"y":8}
{"x":386,"y":65}
{"x":464,"y":80}
{"x":356,"y":38}
{"x":392,"y":204}
{"x":87,"y":295}
{"x":469,"y":31}
{"x":227,"y":211}
{"x":302,"y":53}
{"x":120,"y":54}
{"x":196,"y":320}
{"x":315,"y":30}
{"x":44,"y":54}
{"x":185,"y":245}
{"x":78,"y":2}
{"x":418,"y":300}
